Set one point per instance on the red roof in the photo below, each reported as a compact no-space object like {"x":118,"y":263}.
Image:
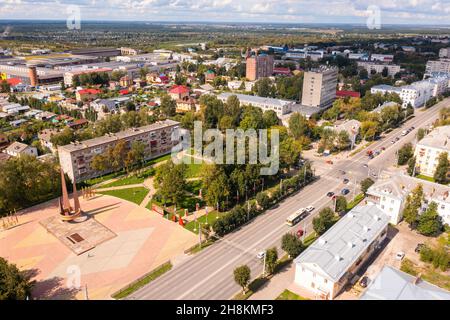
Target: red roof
{"x":344,"y":93}
{"x":124,"y":92}
{"x":179,"y":89}
{"x":89,"y":91}
{"x":13,"y":81}
{"x":282,"y":70}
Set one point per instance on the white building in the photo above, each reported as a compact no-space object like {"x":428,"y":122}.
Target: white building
{"x":332,"y":261}
{"x":382,"y":57}
{"x":17,"y":149}
{"x":236,"y":85}
{"x":429,"y":149}
{"x":281,"y":107}
{"x":390,"y":192}
{"x":376,"y":67}
{"x":441,"y":65}
{"x":444,"y":53}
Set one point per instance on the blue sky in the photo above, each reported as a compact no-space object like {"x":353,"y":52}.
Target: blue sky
{"x":289,"y":11}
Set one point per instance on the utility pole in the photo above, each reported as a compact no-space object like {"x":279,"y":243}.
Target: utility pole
{"x":200,"y":234}
{"x":264,"y":263}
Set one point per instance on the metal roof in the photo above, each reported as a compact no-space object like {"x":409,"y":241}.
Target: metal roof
{"x":339,"y":248}
{"x":393,"y":284}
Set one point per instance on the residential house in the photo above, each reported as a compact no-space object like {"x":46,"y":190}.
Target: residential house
{"x":17,"y":149}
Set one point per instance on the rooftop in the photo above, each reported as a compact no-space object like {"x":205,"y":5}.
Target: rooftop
{"x":255,"y":99}
{"x":438,"y":138}
{"x":339,"y":248}
{"x":16,"y":147}
{"x":77,"y":146}
{"x":393,"y":284}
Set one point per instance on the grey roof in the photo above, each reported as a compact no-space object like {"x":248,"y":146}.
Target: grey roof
{"x":117,"y":136}
{"x":438,"y":138}
{"x":17,"y":147}
{"x":339,"y":248}
{"x":307,"y":111}
{"x":387,"y":87}
{"x":393,"y":284}
{"x":244,"y":98}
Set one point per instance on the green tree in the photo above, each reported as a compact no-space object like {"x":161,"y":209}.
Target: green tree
{"x":429,"y":222}
{"x":292,"y":245}
{"x":242,"y":276}
{"x":441,"y":173}
{"x":170,"y":181}
{"x":411,"y":166}
{"x":323,"y":221}
{"x":14,"y":284}
{"x":5,"y":87}
{"x":343,"y":140}
{"x":366,"y":184}
{"x":341,"y":204}
{"x":404,"y":154}
{"x":263,"y":200}
{"x":168,"y":106}
{"x":413,"y":205}
{"x":299,"y":126}
{"x":420,"y":134}
{"x":270,"y":118}
{"x":271,"y":259}
{"x":100,"y":162}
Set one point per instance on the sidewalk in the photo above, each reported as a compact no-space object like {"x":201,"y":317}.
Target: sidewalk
{"x":279,"y":282}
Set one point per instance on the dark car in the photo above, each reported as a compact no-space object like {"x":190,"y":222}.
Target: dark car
{"x":345,"y":191}
{"x":419,"y":247}
{"x":346,"y":181}
{"x":330,"y":194}
{"x":364,"y":281}
{"x":396,"y":139}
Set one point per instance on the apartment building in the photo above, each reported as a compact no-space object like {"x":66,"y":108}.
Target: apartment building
{"x":444,"y":53}
{"x":281,"y":107}
{"x":259,"y":66}
{"x":332,"y":261}
{"x":76,"y":158}
{"x":319,"y":87}
{"x":441,"y":65}
{"x":429,"y":149}
{"x":390,"y":193}
{"x":373,"y":67}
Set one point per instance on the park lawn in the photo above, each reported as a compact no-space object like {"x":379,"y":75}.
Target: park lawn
{"x":142,"y":282}
{"x":212,"y":216}
{"x":355,"y":201}
{"x":135,"y":195}
{"x":94,"y":181}
{"x":194,"y":170}
{"x":289,"y":295}
{"x":123,"y":182}
{"x":426,"y":178}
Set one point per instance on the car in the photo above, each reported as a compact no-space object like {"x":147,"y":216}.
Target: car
{"x":343,"y":172}
{"x":329,"y":162}
{"x":364,"y":281}
{"x":393,"y":141}
{"x":365,"y":165}
{"x":309,"y":208}
{"x":383,"y":148}
{"x":300,"y":233}
{"x":371,"y":156}
{"x":345,"y":181}
{"x":377,"y":152}
{"x":419,"y":247}
{"x":397,"y":138}
{"x":400,"y":255}
{"x":412,"y":128}
{"x":404,"y":132}
{"x":345,"y":191}
{"x":330,"y":194}
{"x":261,"y":254}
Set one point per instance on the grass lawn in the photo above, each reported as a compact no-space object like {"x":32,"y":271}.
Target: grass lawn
{"x":142,"y":282}
{"x":427,"y":273}
{"x":135,"y":195}
{"x":94,"y":181}
{"x":289,"y":295}
{"x":212,"y":216}
{"x":132,"y":179}
{"x":310,"y":239}
{"x":194,"y":170}
{"x":355,"y":201}
{"x":426,"y":178}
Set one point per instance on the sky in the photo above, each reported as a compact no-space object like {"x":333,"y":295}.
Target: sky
{"x":432,"y":12}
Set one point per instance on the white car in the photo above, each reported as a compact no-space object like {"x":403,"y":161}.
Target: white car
{"x":309,"y":208}
{"x":400,"y":255}
{"x":261,"y":254}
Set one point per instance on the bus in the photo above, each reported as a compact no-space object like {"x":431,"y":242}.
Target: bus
{"x":296,"y":217}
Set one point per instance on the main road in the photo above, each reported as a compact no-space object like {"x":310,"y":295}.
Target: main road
{"x":209,"y":273}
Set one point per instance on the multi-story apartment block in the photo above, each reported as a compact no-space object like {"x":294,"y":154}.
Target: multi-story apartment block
{"x":259,"y":66}
{"x":70,"y":75}
{"x":333,"y":260}
{"x":429,"y":149}
{"x":281,"y":107}
{"x":319,"y":87}
{"x":444,"y":53}
{"x":372,"y":67}
{"x":76,"y":158}
{"x":390,"y":193}
{"x":441,"y":65}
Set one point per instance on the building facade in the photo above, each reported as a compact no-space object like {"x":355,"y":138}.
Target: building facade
{"x":332,"y":261}
{"x":259,"y":66}
{"x":441,"y":65}
{"x":429,"y":149}
{"x":373,"y":67}
{"x":390,"y":193}
{"x":319,"y":87}
{"x":76,"y":158}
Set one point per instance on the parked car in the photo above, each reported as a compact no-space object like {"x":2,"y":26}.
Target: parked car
{"x":400,"y":255}
{"x":261,"y":254}
{"x":364,"y":281}
{"x":365,"y":165}
{"x":345,"y":181}
{"x":300,"y":233}
{"x":329,"y":162}
{"x":309,"y":208}
{"x":383,"y":148}
{"x":345,"y":191}
{"x":330,"y":194}
{"x":397,"y":138}
{"x":419,"y":247}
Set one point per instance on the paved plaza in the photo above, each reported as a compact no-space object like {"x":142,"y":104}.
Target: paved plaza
{"x":143,"y":240}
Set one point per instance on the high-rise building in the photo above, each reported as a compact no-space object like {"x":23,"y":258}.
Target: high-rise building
{"x":259,"y":66}
{"x":441,"y":65}
{"x":319,"y":87}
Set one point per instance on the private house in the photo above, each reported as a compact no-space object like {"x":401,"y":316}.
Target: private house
{"x":178,"y":92}
{"x":16,"y":149}
{"x":87,"y":94}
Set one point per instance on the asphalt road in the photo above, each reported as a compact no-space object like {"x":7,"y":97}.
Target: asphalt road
{"x":208,"y":275}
